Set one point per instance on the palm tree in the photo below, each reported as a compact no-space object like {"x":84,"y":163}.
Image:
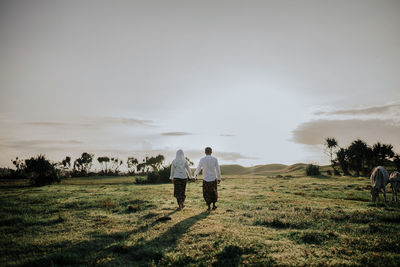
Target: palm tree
{"x":330,"y":145}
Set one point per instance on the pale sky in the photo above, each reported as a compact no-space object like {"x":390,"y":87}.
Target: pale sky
{"x":258,"y":81}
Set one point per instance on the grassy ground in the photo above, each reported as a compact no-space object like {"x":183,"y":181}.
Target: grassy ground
{"x":259,"y":221}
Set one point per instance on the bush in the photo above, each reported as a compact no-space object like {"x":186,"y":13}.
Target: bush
{"x":165,"y":174}
{"x":329,"y":172}
{"x":41,"y":171}
{"x":312,"y":170}
{"x":161,"y":176}
{"x":140,"y":180}
{"x":153,"y":177}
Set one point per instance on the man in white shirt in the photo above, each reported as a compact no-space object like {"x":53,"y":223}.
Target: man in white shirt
{"x":211,"y":174}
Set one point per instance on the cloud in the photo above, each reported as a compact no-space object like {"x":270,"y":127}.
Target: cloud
{"x":231,"y":156}
{"x":227,"y":135}
{"x":29,"y":144}
{"x":176,"y":134}
{"x":93,"y":122}
{"x":44,"y":123}
{"x":373,"y":130}
{"x":127,"y":121}
{"x":376,"y":110}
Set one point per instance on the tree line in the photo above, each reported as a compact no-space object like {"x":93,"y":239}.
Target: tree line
{"x":40,"y":171}
{"x":359,"y":158}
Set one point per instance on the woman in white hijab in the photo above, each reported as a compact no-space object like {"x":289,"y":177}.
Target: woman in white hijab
{"x":179,"y":173}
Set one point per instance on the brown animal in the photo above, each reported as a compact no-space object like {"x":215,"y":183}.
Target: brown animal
{"x":394,"y":181}
{"x":379,"y":179}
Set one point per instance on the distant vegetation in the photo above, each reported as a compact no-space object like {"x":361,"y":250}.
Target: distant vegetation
{"x":312,"y":170}
{"x":41,"y":171}
{"x":359,"y":158}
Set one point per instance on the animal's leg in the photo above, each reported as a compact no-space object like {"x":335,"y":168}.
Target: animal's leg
{"x":393,"y":196}
{"x":384,"y":194}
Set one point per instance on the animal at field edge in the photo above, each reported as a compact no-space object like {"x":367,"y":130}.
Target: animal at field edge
{"x":379,"y":179}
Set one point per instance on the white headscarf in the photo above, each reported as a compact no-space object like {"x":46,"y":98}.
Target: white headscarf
{"x":180,"y":158}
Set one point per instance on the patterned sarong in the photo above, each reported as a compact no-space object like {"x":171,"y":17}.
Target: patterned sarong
{"x":179,"y":189}
{"x":210,"y":192}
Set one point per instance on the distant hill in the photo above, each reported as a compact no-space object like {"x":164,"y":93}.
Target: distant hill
{"x":268,"y":169}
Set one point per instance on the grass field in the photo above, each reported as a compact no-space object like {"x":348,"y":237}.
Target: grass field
{"x":259,"y":221}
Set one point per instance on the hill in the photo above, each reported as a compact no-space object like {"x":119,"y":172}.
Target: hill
{"x":268,"y":169}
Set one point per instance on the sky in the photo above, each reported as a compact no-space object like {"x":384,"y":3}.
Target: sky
{"x":258,"y":81}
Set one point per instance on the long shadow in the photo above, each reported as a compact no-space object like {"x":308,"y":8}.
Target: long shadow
{"x":154,"y":249}
{"x":91,"y":252}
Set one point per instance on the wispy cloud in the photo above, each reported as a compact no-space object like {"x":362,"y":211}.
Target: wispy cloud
{"x":44,"y":123}
{"x":92,"y":122}
{"x":372,"y":130}
{"x":176,"y":133}
{"x":227,"y":135}
{"x":127,"y":121}
{"x":375,"y":110}
{"x":27,"y":144}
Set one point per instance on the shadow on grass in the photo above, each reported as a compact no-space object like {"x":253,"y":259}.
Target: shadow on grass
{"x":113,"y":248}
{"x":154,"y":250}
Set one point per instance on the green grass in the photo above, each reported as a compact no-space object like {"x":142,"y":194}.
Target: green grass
{"x":259,"y":221}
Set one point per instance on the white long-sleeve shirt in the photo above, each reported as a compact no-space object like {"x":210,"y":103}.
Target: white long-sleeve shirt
{"x":179,"y":170}
{"x":210,"y":167}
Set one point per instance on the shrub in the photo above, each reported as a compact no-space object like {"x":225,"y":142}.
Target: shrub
{"x":140,"y":180}
{"x":165,"y":174}
{"x":329,"y":172}
{"x":312,"y":170}
{"x":41,"y":171}
{"x":161,"y":176}
{"x":153,"y":177}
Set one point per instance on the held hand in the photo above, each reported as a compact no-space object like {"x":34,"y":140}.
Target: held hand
{"x":219,"y":181}
{"x":172,"y":180}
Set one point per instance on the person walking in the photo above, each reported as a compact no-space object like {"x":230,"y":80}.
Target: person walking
{"x":179,"y":173}
{"x":211,"y":175}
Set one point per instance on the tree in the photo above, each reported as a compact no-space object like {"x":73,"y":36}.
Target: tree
{"x":356,"y":156}
{"x":83,"y":164}
{"x":191,"y":163}
{"x":330,"y":145}
{"x":341,"y":158}
{"x":132,"y":164}
{"x":382,"y":153}
{"x":115,"y":165}
{"x":66,"y":163}
{"x":396,"y":161}
{"x":19,"y":164}
{"x":104,"y":161}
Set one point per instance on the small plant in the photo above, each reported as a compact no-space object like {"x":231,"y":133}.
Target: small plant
{"x":312,"y":170}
